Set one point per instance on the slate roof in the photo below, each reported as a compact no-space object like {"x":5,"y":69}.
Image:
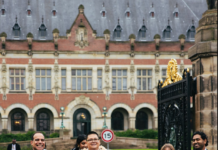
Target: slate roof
{"x":67,"y":11}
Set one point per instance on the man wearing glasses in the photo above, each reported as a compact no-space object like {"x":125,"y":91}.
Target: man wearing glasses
{"x":93,"y":141}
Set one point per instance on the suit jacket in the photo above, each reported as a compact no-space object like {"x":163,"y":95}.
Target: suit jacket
{"x":10,"y":146}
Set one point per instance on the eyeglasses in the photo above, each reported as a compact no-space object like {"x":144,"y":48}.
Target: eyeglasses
{"x":92,"y":140}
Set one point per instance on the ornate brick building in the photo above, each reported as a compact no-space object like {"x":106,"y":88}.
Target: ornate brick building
{"x":84,"y":56}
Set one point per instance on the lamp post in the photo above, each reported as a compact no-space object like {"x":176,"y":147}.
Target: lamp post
{"x":104,"y":114}
{"x":62,"y":115}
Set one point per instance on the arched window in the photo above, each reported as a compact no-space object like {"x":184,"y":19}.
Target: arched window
{"x":81,"y":122}
{"x":142,"y":32}
{"x":43,"y":122}
{"x":16,"y":30}
{"x":117,"y":32}
{"x":42,"y":31}
{"x":117,"y":121}
{"x":17,"y":121}
{"x":191,"y":33}
{"x":167,"y":32}
{"x":141,"y":120}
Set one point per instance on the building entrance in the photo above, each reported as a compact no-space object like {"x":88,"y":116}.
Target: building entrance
{"x":81,"y":122}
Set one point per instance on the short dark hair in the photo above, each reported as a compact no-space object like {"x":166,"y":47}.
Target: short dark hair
{"x":32,"y":137}
{"x":92,"y":132}
{"x":203,"y":136}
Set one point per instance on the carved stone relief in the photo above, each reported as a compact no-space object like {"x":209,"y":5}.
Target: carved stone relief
{"x":56,"y":86}
{"x":4,"y":79}
{"x":107,"y":80}
{"x":132,"y":87}
{"x":81,"y":37}
{"x":30,"y":80}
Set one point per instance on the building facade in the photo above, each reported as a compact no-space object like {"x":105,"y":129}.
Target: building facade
{"x":84,"y":56}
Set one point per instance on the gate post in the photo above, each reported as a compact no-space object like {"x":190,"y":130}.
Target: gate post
{"x":204,"y":64}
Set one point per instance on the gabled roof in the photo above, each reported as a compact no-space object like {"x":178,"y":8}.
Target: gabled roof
{"x":68,"y":11}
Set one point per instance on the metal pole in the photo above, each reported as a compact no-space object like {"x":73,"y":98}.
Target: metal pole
{"x":107,"y":146}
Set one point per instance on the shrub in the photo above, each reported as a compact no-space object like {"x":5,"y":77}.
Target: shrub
{"x":54,"y":135}
{"x":147,"y":133}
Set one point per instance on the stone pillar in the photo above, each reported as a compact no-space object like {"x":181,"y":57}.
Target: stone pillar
{"x":68,"y":76}
{"x":30,"y":123}
{"x":132,"y":123}
{"x":4,"y":125}
{"x":94,"y":79}
{"x":204,"y":64}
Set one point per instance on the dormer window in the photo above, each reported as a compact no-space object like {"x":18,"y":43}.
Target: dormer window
{"x":152,"y":14}
{"x":42,"y":31}
{"x":103,"y":13}
{"x":167,"y":33}
{"x":28,"y":12}
{"x":142,"y":32}
{"x":54,"y":12}
{"x":128,"y":14}
{"x":117,"y":31}
{"x":16,"y":30}
{"x":176,"y":14}
{"x":191,"y":33}
{"x":3,"y":11}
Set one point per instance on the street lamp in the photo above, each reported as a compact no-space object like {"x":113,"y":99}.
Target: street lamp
{"x":62,"y":115}
{"x":104,"y":114}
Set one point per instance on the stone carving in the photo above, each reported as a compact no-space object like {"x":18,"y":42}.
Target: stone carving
{"x":82,"y":100}
{"x":132,"y":54}
{"x":56,"y":53}
{"x":30,"y":66}
{"x":182,"y":67}
{"x":132,"y":81}
{"x":30,"y":80}
{"x":212,"y":4}
{"x":107,"y":80}
{"x":29,"y":53}
{"x":172,"y":73}
{"x":3,"y":52}
{"x":4,"y":80}
{"x":132,"y":67}
{"x":81,"y":36}
{"x":107,"y":67}
{"x":157,"y":67}
{"x":56,"y":86}
{"x":107,"y":53}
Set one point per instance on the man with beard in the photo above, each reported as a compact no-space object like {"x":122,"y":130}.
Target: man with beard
{"x":199,"y":140}
{"x":38,"y":141}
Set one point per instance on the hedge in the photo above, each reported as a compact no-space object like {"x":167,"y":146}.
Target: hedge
{"x":147,"y":133}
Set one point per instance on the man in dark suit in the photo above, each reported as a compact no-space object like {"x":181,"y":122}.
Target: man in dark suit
{"x":13,"y":145}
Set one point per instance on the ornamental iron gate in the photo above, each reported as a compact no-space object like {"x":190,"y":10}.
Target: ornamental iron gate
{"x":174,"y":113}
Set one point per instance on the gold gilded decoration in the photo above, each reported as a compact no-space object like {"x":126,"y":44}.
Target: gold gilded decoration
{"x":172,"y":73}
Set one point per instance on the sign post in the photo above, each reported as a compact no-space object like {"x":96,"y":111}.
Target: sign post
{"x":107,"y":136}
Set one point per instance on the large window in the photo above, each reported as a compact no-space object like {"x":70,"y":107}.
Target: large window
{"x":144,"y":79}
{"x":117,"y":32}
{"x":43,"y":122}
{"x":119,"y":79}
{"x":167,"y":32}
{"x":81,"y":79}
{"x":99,"y":79}
{"x":17,"y":121}
{"x":43,"y":79}
{"x":164,"y":74}
{"x":17,"y":79}
{"x":42,"y":31}
{"x":141,"y":120}
{"x":117,"y":121}
{"x":63,"y":79}
{"x":16,"y":30}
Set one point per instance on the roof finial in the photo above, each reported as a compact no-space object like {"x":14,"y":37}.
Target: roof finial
{"x":2,"y":2}
{"x":143,"y":21}
{"x":54,"y":3}
{"x":176,"y":5}
{"x":118,"y":21}
{"x":192,"y":21}
{"x":127,"y":4}
{"x":152,"y":4}
{"x":16,"y":18}
{"x":168,"y":21}
{"x":42,"y":18}
{"x":28,"y":2}
{"x":103,"y":4}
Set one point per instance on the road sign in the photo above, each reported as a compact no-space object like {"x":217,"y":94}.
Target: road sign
{"x":107,"y":135}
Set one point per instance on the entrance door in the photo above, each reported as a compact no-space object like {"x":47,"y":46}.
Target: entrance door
{"x":81,"y":122}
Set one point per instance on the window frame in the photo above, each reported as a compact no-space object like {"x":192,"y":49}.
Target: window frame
{"x":122,"y":77}
{"x":64,"y":76}
{"x":163,"y":76}
{"x":146,"y":79}
{"x":45,"y":76}
{"x":81,"y":81}
{"x":20,"y":79}
{"x":100,"y":76}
